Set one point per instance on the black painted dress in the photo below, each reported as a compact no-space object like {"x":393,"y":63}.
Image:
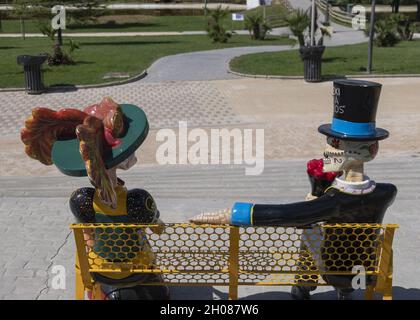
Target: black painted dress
{"x":133,"y":206}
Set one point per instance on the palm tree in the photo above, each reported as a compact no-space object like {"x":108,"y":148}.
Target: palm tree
{"x":215,"y":28}
{"x":298,"y":20}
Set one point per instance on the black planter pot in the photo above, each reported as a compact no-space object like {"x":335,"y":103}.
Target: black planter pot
{"x":312,"y":58}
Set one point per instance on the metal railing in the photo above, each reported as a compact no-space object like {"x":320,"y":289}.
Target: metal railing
{"x":336,"y":13}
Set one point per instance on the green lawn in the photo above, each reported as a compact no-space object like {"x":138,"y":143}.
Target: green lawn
{"x":145,"y":23}
{"x":345,"y":60}
{"x":98,"y":56}
{"x":125,"y":23}
{"x":128,"y":23}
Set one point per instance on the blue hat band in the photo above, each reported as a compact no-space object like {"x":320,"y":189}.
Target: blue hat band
{"x":353,"y":128}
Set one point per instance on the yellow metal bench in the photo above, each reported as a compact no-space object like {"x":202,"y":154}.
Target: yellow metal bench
{"x":222,"y":255}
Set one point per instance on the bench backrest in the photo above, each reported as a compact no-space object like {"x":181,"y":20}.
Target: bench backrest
{"x":228,"y":255}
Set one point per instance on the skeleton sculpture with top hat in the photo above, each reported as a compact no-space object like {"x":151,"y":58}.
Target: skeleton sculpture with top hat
{"x":96,"y":142}
{"x":352,"y":140}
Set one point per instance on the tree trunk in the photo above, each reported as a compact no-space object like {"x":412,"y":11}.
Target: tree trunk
{"x":59,"y":37}
{"x":397,"y":6}
{"x":22,"y":27}
{"x":418,"y":11}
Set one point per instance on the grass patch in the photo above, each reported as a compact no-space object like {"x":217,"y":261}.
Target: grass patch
{"x":148,"y":23}
{"x":126,"y":23}
{"x":343,"y":60}
{"x":275,"y":14}
{"x":98,"y":56}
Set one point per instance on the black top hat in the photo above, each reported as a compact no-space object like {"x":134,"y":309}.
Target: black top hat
{"x":355,"y":105}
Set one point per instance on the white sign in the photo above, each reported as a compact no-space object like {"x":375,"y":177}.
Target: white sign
{"x":238,"y":17}
{"x":251,"y":4}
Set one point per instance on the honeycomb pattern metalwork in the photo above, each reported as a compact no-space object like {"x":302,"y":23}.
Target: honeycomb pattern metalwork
{"x":200,"y":254}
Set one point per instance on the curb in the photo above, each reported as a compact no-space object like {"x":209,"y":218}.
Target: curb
{"x":259,"y":76}
{"x":140,"y":76}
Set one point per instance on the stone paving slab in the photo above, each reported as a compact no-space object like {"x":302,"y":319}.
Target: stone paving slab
{"x":199,"y":103}
{"x":35,"y":236}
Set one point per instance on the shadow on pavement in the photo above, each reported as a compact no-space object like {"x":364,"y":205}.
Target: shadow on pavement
{"x":191,"y":293}
{"x":124,"y":43}
{"x":209,"y":293}
{"x":61,"y":88}
{"x":113,"y":25}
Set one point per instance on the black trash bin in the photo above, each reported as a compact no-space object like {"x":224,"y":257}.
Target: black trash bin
{"x":33,"y":73}
{"x":312,"y":58}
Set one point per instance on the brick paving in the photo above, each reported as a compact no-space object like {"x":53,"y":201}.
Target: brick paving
{"x":166,"y":103}
{"x":35,"y":235}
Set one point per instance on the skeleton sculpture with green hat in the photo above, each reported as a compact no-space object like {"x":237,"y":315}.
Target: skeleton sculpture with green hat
{"x":96,"y":142}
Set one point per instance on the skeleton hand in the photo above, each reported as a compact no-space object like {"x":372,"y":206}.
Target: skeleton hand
{"x":218,"y":217}
{"x":310,"y":197}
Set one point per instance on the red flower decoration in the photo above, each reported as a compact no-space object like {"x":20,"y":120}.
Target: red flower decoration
{"x":314,"y":168}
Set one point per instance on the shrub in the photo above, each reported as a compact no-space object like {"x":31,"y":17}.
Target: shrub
{"x":73,"y":46}
{"x":298,"y":20}
{"x":256,"y":26}
{"x":59,"y":57}
{"x":405,"y":27}
{"x":215,"y":28}
{"x":386,"y":34}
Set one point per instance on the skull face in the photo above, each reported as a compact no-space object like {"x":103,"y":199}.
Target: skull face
{"x":339,"y":154}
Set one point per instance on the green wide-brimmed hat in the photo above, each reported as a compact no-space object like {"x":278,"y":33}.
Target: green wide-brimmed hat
{"x":66,"y":155}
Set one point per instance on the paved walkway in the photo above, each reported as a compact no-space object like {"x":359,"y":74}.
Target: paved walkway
{"x":199,"y":103}
{"x":202,"y":65}
{"x":213,"y":64}
{"x":34,"y":219}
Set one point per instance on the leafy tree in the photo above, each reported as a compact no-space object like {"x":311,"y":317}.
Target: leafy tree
{"x":22,"y":10}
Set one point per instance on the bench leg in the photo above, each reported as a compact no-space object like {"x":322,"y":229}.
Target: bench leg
{"x":97,"y":292}
{"x":80,"y":288}
{"x":233,"y":292}
{"x":369,"y":292}
{"x":387,"y":292}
